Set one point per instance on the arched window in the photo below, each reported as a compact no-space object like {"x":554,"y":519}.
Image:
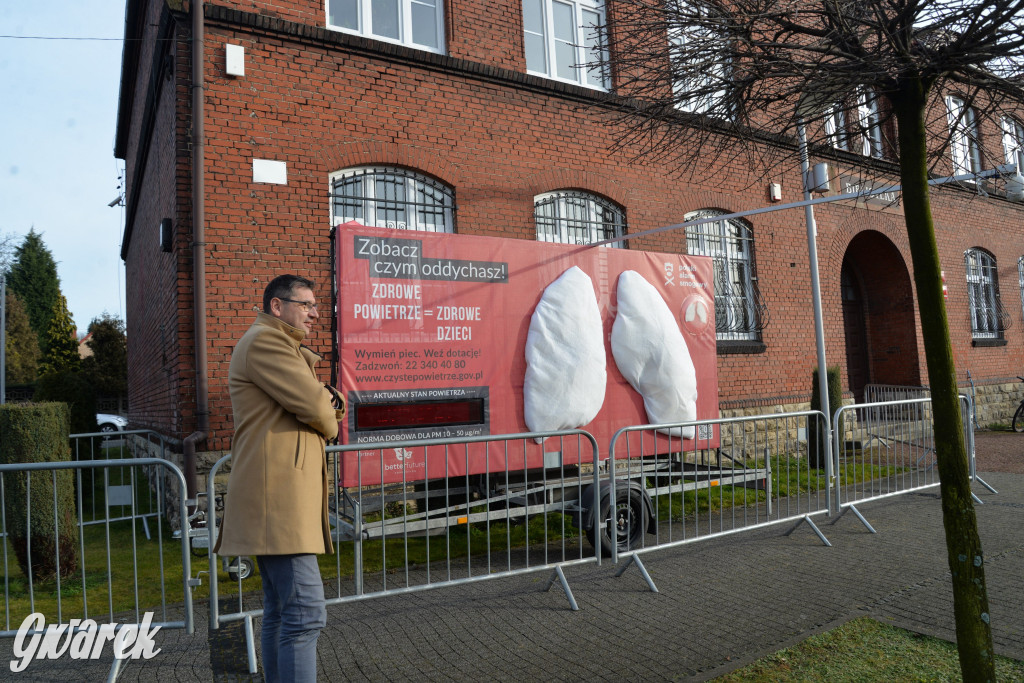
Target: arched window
{"x":988,"y":320}
{"x":573,"y":217}
{"x":740,"y":313}
{"x":392,"y":198}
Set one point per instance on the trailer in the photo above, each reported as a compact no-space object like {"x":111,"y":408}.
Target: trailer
{"x":443,"y":338}
{"x":570,"y":490}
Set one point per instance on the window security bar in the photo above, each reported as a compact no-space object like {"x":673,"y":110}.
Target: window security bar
{"x":572,"y":217}
{"x":393,"y":198}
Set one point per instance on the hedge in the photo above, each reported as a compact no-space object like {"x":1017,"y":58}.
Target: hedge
{"x":29,"y":433}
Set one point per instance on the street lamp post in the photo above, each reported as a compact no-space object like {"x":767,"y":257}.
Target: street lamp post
{"x":819,"y":328}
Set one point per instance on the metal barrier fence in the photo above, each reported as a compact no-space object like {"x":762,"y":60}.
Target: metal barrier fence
{"x":57,"y":566}
{"x":739,"y":474}
{"x":881,"y":393}
{"x":491,"y":507}
{"x":123,"y":498}
{"x":501,"y":506}
{"x":970,"y":425}
{"x":892,"y":451}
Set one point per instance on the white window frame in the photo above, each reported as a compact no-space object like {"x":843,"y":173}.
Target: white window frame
{"x":581,"y":41}
{"x":416,"y":198}
{"x":835,"y":127}
{"x":983,"y":294}
{"x":577,"y":217}
{"x":406,"y":9}
{"x":963,"y":136}
{"x":688,"y":38}
{"x":1013,"y":142}
{"x":730,"y":244}
{"x":870,"y":124}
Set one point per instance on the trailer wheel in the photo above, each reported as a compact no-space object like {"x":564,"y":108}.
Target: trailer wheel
{"x":241,"y":568}
{"x":629,"y":520}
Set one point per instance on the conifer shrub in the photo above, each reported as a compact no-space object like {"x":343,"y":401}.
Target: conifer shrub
{"x":39,"y":506}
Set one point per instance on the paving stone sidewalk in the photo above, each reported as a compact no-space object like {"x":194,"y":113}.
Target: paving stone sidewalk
{"x":721,"y":603}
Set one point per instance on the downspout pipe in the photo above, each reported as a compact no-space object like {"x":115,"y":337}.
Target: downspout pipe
{"x":198,"y":258}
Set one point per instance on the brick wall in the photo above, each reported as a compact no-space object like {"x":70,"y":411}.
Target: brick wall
{"x":158,"y":176}
{"x":323,"y":101}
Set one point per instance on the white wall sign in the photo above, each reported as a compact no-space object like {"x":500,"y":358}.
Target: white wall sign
{"x":266,"y":171}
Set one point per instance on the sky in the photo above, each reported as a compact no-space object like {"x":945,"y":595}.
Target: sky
{"x":57,"y":121}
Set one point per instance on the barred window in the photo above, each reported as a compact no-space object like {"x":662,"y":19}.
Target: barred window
{"x":1020,"y":280}
{"x":392,"y":198}
{"x":740,"y":313}
{"x":987,"y":320}
{"x":572,"y":217}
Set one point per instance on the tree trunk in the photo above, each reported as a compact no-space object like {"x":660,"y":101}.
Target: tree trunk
{"x":963,"y":544}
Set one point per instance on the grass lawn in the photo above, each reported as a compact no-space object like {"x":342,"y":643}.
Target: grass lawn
{"x":129,"y":578}
{"x":790,"y":477}
{"x":866,"y":650}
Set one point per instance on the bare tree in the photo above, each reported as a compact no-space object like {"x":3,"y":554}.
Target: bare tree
{"x":8,"y":243}
{"x":741,"y":76}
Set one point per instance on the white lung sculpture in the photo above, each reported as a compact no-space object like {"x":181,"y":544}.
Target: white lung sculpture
{"x":651,"y":354}
{"x":565,"y":360}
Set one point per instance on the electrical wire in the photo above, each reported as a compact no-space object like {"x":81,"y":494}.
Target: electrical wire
{"x":81,"y":38}
{"x":59,"y":38}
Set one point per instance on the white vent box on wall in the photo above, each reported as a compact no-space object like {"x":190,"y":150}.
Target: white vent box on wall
{"x":234,"y":60}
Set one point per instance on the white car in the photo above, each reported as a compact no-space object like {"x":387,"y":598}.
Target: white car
{"x":111,"y":423}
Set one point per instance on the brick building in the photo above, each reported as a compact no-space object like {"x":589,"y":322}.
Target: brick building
{"x":464,"y":116}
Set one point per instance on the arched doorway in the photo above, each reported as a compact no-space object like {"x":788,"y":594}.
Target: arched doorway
{"x":878,"y":315}
{"x":858,"y":368}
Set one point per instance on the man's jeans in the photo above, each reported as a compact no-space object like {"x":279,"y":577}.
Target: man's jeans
{"x":293,"y":614}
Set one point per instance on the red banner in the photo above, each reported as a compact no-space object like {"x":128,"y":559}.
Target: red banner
{"x":432,"y":332}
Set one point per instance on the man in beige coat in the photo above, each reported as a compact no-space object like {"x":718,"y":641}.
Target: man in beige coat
{"x":276,"y":503}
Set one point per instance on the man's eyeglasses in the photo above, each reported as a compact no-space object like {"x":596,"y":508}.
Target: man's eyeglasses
{"x":307,"y":306}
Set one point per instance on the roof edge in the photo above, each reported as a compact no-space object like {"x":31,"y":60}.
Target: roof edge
{"x":133,"y":13}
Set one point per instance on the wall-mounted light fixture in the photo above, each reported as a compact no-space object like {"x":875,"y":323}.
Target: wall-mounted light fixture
{"x":166,"y":235}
